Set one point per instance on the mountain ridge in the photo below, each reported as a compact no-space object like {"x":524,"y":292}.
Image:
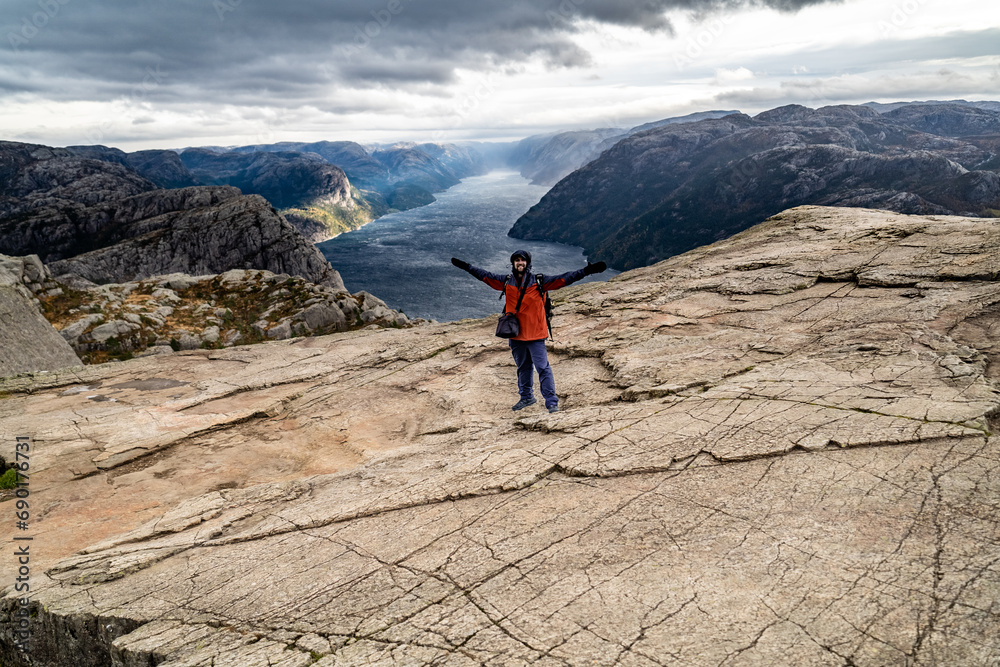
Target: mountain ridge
{"x":669,"y":189}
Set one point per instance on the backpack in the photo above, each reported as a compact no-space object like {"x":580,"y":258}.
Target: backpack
{"x":539,"y":278}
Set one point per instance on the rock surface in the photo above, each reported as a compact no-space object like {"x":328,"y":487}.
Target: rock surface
{"x":29,"y":341}
{"x":777,"y":449}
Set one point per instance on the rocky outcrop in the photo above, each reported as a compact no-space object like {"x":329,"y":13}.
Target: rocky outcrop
{"x":30,"y":343}
{"x":778,"y":449}
{"x":666,"y":190}
{"x":164,"y":314}
{"x":34,"y":178}
{"x":99,"y":220}
{"x":195,"y":231}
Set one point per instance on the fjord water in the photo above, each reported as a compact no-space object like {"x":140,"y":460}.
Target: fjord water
{"x":405,"y":258}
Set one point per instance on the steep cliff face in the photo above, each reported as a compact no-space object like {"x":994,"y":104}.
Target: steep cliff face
{"x":284,"y":179}
{"x":102,"y":221}
{"x":547,"y":159}
{"x":312,"y":194}
{"x":776,"y":450}
{"x":670,"y":189}
{"x":195,"y":231}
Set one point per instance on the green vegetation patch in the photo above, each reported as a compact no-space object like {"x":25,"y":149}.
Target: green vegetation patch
{"x":9,"y":479}
{"x":339,"y":219}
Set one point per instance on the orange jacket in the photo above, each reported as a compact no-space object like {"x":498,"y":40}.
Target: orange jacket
{"x":532,"y":312}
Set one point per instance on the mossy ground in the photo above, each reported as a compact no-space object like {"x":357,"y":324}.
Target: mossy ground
{"x":8,"y":480}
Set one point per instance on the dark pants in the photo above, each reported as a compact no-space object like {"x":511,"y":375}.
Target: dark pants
{"x":528,"y":354}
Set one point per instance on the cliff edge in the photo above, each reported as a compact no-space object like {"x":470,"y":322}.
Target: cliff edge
{"x":777,"y":449}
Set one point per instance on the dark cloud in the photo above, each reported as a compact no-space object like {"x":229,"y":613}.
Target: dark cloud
{"x":212,"y":48}
{"x":395,"y":71}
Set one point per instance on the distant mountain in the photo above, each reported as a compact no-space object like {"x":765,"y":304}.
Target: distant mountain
{"x":164,"y":168}
{"x":361,"y":168}
{"x":431,"y":166}
{"x":689,"y":118}
{"x":547,"y":158}
{"x":323,"y":188}
{"x":285,"y":179}
{"x":981,"y":104}
{"x":396,"y":176}
{"x":494,"y":154}
{"x":462,"y":161}
{"x":33,"y":177}
{"x":161,"y":167}
{"x":948,"y":120}
{"x":669,"y":189}
{"x":414,"y":167}
{"x":313,"y":194}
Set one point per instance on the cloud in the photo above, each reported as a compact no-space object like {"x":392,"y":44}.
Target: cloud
{"x":227,"y":69}
{"x":852,"y":88}
{"x":725,"y":76}
{"x":212,"y":46}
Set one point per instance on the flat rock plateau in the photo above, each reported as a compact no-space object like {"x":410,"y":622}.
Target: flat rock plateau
{"x":774,"y":450}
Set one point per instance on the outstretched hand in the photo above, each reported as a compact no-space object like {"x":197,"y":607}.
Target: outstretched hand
{"x":595,"y":268}
{"x":460,"y":264}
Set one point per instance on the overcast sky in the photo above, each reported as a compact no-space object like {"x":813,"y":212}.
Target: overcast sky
{"x":171,"y":73}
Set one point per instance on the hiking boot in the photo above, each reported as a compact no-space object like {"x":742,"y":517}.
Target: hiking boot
{"x":554,"y":408}
{"x":523,"y":403}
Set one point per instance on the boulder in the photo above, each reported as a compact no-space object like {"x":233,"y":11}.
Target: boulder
{"x":116,"y":328}
{"x":323,"y":315}
{"x":30,"y":343}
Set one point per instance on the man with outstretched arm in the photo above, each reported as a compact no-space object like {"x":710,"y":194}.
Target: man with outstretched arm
{"x":528,"y":347}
